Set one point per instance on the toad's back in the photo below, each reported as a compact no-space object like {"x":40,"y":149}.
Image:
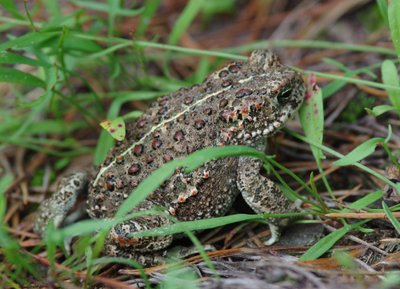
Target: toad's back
{"x":238,"y":104}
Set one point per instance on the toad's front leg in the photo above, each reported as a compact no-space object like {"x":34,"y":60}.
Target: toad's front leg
{"x":56,"y":208}
{"x":263,"y":195}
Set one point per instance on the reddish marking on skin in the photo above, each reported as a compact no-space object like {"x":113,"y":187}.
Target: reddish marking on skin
{"x":112,"y":130}
{"x":206,"y":174}
{"x":172,"y":211}
{"x":125,"y":241}
{"x":312,"y":86}
{"x":244,"y":111}
{"x":232,"y":115}
{"x":119,"y":125}
{"x":193,"y":192}
{"x":181,"y":199}
{"x":258,"y":106}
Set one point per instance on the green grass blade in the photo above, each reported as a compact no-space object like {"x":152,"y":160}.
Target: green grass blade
{"x":112,"y":10}
{"x":365,"y":201}
{"x":13,"y":58}
{"x":150,"y":8}
{"x":391,"y":280}
{"x":359,"y":153}
{"x":9,"y":246}
{"x":185,"y":19}
{"x":5,"y":182}
{"x":12,"y":75}
{"x":339,"y":155}
{"x":154,"y":180}
{"x":53,"y":8}
{"x":314,"y":44}
{"x":198,"y":225}
{"x":390,"y":77}
{"x":391,"y":217}
{"x":327,"y":242}
{"x":30,"y":39}
{"x":323,"y":245}
{"x":11,"y":7}
{"x":380,"y":109}
{"x":104,"y":7}
{"x":394,"y":23}
{"x":383,"y":9}
{"x":191,"y":162}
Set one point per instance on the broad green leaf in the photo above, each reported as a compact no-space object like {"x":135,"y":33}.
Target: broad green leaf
{"x":359,"y":153}
{"x":394,"y":23}
{"x":392,"y":218}
{"x":312,"y":116}
{"x":115,"y":127}
{"x":380,"y":109}
{"x":12,"y":75}
{"x":391,"y":77}
{"x":13,"y":58}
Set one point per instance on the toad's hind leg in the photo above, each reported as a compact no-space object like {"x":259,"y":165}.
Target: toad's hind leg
{"x":121,"y":243}
{"x":262,"y":195}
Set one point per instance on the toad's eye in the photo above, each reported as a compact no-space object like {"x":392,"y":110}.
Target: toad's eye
{"x":284,"y":94}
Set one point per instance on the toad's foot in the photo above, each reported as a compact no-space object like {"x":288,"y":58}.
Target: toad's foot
{"x":56,"y":208}
{"x":263,"y":195}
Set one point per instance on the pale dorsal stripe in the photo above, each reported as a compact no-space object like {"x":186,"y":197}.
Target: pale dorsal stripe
{"x":154,"y":128}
